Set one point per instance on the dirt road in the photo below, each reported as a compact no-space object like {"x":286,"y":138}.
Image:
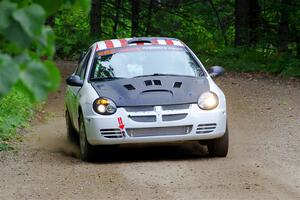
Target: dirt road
{"x":263,"y":161}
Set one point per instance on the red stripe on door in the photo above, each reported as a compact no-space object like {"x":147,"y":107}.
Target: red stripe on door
{"x":169,"y":42}
{"x":109,"y":44}
{"x":123,"y":42}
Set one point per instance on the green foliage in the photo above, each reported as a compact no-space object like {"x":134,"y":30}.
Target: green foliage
{"x":23,"y":29}
{"x":254,"y":60}
{"x":195,"y":23}
{"x":26,"y":60}
{"x":5,"y":147}
{"x":27,"y":46}
{"x":7,"y":81}
{"x":72,"y":32}
{"x":15,"y":111}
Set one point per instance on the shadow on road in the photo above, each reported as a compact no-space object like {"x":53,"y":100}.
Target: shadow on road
{"x":140,"y":153}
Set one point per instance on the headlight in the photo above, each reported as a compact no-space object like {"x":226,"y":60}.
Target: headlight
{"x":208,"y":101}
{"x":104,"y":106}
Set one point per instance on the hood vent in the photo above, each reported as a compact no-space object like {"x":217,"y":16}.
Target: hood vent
{"x":129,"y":92}
{"x":129,"y":87}
{"x":177,"y":84}
{"x":154,"y":82}
{"x":148,"y":82}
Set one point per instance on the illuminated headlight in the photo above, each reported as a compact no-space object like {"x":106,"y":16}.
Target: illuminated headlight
{"x":104,"y":106}
{"x":208,"y":101}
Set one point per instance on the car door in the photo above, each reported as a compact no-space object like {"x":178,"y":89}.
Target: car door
{"x":73,"y":91}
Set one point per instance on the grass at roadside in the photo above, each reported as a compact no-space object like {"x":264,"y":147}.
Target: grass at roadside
{"x":16,"y":109}
{"x":253,"y":60}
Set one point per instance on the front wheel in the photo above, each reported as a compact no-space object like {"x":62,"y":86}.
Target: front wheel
{"x":219,"y":147}
{"x":86,"y":150}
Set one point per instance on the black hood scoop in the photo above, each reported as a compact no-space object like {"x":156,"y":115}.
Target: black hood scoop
{"x":150,"y":91}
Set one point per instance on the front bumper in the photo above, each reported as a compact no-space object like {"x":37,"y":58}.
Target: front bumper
{"x":157,"y":125}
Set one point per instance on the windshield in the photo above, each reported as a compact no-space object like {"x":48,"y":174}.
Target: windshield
{"x":137,"y":61}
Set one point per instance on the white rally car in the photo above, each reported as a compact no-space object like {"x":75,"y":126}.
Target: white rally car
{"x":144,"y":90}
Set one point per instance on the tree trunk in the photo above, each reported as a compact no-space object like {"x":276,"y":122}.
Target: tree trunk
{"x":254,"y":22}
{"x":149,"y":17}
{"x":95,"y":18}
{"x":283,"y":27}
{"x":135,"y":11}
{"x":247,"y":22}
{"x":241,"y":22}
{"x":116,"y":18}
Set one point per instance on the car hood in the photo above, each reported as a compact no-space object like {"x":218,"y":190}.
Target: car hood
{"x":152,"y":90}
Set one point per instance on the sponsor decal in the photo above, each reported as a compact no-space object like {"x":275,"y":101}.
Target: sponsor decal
{"x":138,"y":48}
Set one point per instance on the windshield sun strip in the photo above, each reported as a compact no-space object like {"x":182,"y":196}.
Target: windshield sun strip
{"x":138,"y":48}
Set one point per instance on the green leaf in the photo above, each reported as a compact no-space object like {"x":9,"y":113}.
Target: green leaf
{"x":46,"y":40}
{"x":31,"y":19}
{"x":12,"y":48}
{"x":15,"y":34}
{"x":9,"y":73}
{"x":54,"y":75}
{"x":10,"y":29}
{"x":34,"y":77}
{"x":6,"y":8}
{"x":39,"y":78}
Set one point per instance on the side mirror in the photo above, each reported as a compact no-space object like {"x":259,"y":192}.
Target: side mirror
{"x":81,"y":56}
{"x":74,"y":80}
{"x":216,"y":71}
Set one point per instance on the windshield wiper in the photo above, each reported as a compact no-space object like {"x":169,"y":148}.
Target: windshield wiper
{"x":161,"y":74}
{"x":105,"y":78}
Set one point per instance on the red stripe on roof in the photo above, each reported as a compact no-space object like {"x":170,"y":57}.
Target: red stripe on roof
{"x":169,"y":42}
{"x":140,"y":43}
{"x":97,"y":47}
{"x":123,"y":42}
{"x":109,"y":44}
{"x":154,"y":41}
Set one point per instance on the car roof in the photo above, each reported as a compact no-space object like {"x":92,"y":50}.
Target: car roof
{"x":125,"y":42}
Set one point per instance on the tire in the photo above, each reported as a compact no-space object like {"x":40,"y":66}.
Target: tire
{"x":72,"y":134}
{"x":219,"y":147}
{"x":86,"y":150}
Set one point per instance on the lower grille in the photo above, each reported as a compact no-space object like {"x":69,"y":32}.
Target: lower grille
{"x":111,"y":133}
{"x":206,"y":128}
{"x":161,"y":131}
